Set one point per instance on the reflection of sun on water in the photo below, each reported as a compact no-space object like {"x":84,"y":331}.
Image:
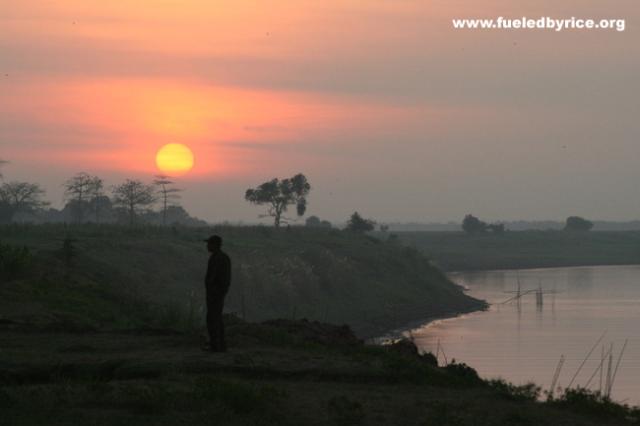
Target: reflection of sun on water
{"x":174,"y":159}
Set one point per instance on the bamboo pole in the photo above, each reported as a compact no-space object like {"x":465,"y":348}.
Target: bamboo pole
{"x":586,"y":386}
{"x":615,"y":371}
{"x":585,"y":359}
{"x":556,"y":375}
{"x":598,"y":369}
{"x":446,"y":362}
{"x":608,"y":379}
{"x":602,"y":356}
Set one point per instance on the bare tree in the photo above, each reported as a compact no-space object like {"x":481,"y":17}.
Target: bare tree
{"x":133,"y":196}
{"x":81,"y":189}
{"x":98,"y":197}
{"x":278,"y":195}
{"x":168,"y":194}
{"x":21,"y":197}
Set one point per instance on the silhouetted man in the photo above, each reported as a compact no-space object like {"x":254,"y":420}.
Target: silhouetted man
{"x":217,"y":283}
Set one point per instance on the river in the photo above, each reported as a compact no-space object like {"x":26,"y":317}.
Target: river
{"x":523,"y":342}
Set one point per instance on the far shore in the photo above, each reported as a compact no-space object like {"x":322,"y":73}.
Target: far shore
{"x":458,"y":252}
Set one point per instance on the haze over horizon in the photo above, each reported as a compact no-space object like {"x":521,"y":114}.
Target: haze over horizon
{"x":384,"y":106}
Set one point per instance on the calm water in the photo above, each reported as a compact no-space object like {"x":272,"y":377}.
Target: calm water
{"x":524,"y":342}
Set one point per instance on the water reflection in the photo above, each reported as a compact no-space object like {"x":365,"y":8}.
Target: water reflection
{"x":559,"y":312}
{"x":579,"y":280}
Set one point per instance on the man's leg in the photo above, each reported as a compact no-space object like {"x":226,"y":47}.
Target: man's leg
{"x":222,"y":346}
{"x":215,"y":324}
{"x":212,"y":324}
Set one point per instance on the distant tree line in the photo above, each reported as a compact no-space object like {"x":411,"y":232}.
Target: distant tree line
{"x":87,"y":201}
{"x":473,"y":225}
{"x":133,"y":201}
{"x":577,"y":223}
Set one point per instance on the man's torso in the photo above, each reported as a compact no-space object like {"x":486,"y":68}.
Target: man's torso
{"x":218,"y":276}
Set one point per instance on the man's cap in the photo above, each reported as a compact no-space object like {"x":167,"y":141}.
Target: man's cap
{"x":216,"y":239}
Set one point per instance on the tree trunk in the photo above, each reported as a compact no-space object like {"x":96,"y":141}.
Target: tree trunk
{"x":79,"y":213}
{"x":164,"y":210}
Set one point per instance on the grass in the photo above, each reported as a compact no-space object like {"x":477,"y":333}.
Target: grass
{"x":457,"y":251}
{"x":325,"y":275}
{"x":147,"y":379}
{"x":110,"y":336}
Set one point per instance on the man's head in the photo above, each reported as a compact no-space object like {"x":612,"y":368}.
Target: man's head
{"x":214,"y":243}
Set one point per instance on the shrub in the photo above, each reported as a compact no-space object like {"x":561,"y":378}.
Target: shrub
{"x":14,"y":261}
{"x":594,"y":404}
{"x":345,"y":411}
{"x":464,"y":372}
{"x":577,"y":223}
{"x":527,"y":392}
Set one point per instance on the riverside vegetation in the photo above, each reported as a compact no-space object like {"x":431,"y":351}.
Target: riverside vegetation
{"x":327,"y":275}
{"x":458,"y":251}
{"x":101,"y":325}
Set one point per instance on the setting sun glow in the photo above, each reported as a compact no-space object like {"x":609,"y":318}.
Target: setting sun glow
{"x":174,"y":159}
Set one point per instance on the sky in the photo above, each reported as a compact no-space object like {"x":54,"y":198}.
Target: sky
{"x":382,"y":104}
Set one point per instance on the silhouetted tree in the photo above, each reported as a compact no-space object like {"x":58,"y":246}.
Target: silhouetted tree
{"x":134,"y":197}
{"x":5,"y":209}
{"x":496,"y":228}
{"x":312,"y":222}
{"x":14,"y":261}
{"x":359,"y":224}
{"x":72,"y":210}
{"x":100,"y":202}
{"x":175,"y":216}
{"x":81,"y":189}
{"x":68,"y":251}
{"x":577,"y":223}
{"x":6,"y":212}
{"x":20,"y":197}
{"x":473,"y":225}
{"x":2,"y":163}
{"x":168,"y":195}
{"x":315,"y":222}
{"x":279,"y":195}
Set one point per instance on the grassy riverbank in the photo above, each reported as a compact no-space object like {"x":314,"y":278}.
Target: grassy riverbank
{"x":277,"y":373}
{"x":326,"y":275}
{"x":105,"y":329}
{"x":457,"y":251}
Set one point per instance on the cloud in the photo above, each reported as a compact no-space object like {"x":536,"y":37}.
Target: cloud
{"x":382,"y":95}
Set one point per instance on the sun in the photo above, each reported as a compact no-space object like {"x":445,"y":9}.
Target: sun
{"x":174,"y":159}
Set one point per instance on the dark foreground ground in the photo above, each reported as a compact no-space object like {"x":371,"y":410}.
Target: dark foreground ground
{"x":277,"y":373}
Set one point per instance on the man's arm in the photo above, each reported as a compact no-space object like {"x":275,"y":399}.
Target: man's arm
{"x":211,"y":272}
{"x":227,"y":273}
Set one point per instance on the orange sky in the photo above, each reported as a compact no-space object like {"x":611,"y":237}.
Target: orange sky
{"x":382,"y":104}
